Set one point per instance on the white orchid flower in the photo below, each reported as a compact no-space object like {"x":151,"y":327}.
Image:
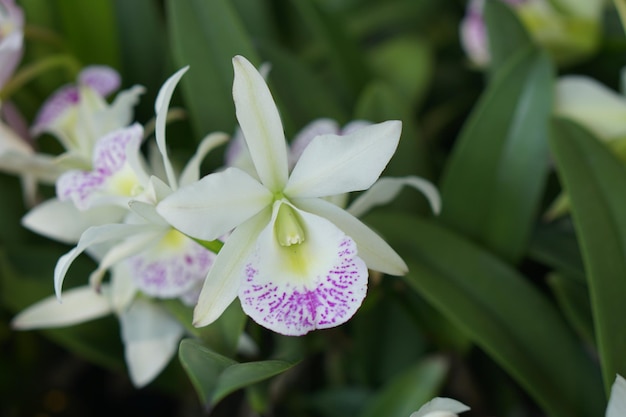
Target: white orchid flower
{"x":441,"y":407}
{"x":617,"y":401}
{"x":147,"y":258}
{"x":296,"y":261}
{"x":78,"y":115}
{"x":11,"y":38}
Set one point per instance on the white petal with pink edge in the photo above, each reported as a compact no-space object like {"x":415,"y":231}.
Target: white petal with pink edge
{"x":316,"y":284}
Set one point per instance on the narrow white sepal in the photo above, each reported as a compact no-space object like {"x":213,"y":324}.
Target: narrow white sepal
{"x":191,"y":173}
{"x":62,"y":221}
{"x":80,"y":304}
{"x":387,"y":188}
{"x":617,"y":401}
{"x":92,"y":236}
{"x":333,"y":164}
{"x":260,"y":123}
{"x":123,"y":289}
{"x":441,"y":407}
{"x":213,"y":206}
{"x":223,"y":281}
{"x":161,"y":106}
{"x":150,"y":337}
{"x":373,"y":249}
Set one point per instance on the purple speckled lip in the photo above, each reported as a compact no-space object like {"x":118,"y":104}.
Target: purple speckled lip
{"x":110,"y":156}
{"x":294,"y":308}
{"x":171,"y":275}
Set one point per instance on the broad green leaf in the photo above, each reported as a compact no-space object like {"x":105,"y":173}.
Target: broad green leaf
{"x":143,"y":49}
{"x":215,"y":376}
{"x":409,"y":390}
{"x":555,"y":245}
{"x":573,"y":298}
{"x":206,"y":35}
{"x":90,"y":29}
{"x":258,"y":18}
{"x":406,"y":64}
{"x":303,"y":96}
{"x":342,"y":50}
{"x":501,"y":311}
{"x":494,"y":179}
{"x":506,"y":34}
{"x":595,"y":181}
{"x":339,"y":401}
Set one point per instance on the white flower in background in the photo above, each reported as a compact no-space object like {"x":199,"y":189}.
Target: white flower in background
{"x":569,"y":29}
{"x":11,"y":39}
{"x":296,"y":261}
{"x":617,"y":401}
{"x":78,"y":115}
{"x":441,"y":407}
{"x":147,"y":258}
{"x":599,"y":109}
{"x":80,"y":118}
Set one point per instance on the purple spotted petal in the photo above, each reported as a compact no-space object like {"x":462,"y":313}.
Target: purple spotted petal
{"x":63,"y":100}
{"x":164,"y":272}
{"x":316,"y":284}
{"x":294,"y":309}
{"x":110,"y":158}
{"x":104,"y":80}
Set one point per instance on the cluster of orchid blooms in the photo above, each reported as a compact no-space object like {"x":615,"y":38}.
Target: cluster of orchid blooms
{"x":272,"y":227}
{"x":274,"y":216}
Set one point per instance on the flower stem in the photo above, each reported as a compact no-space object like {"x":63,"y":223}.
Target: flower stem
{"x":32,"y":71}
{"x":213,"y":245}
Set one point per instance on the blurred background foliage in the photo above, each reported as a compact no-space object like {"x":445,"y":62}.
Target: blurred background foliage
{"x":496,"y":310}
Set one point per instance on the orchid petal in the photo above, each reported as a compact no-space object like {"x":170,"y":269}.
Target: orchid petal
{"x":79,"y":305}
{"x":191,"y":173}
{"x":590,"y":103}
{"x":120,"y":113}
{"x":617,"y":401}
{"x":123,"y":289}
{"x":93,"y":236}
{"x":376,"y":253}
{"x":237,"y":155}
{"x":261,"y":125}
{"x":102,"y":79}
{"x":55,"y":108}
{"x":386,"y":189}
{"x":441,"y":407}
{"x":225,"y":276}
{"x":216,"y":204}
{"x":334,"y":164}
{"x":161,"y":105}
{"x":308,"y":133}
{"x":62,"y":221}
{"x":316,"y":284}
{"x":150,"y":337}
{"x":157,"y":190}
{"x":112,"y":176}
{"x":11,"y":51}
{"x":148,"y":212}
{"x":123,"y":250}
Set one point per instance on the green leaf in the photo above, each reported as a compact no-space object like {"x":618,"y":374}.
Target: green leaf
{"x":143,"y":50}
{"x":90,"y":30}
{"x":506,"y":34}
{"x":215,"y":376}
{"x":408,"y":391}
{"x":573,"y":298}
{"x":206,"y":35}
{"x":494,"y":179}
{"x":501,"y":311}
{"x":595,"y":181}
{"x":303,"y":96}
